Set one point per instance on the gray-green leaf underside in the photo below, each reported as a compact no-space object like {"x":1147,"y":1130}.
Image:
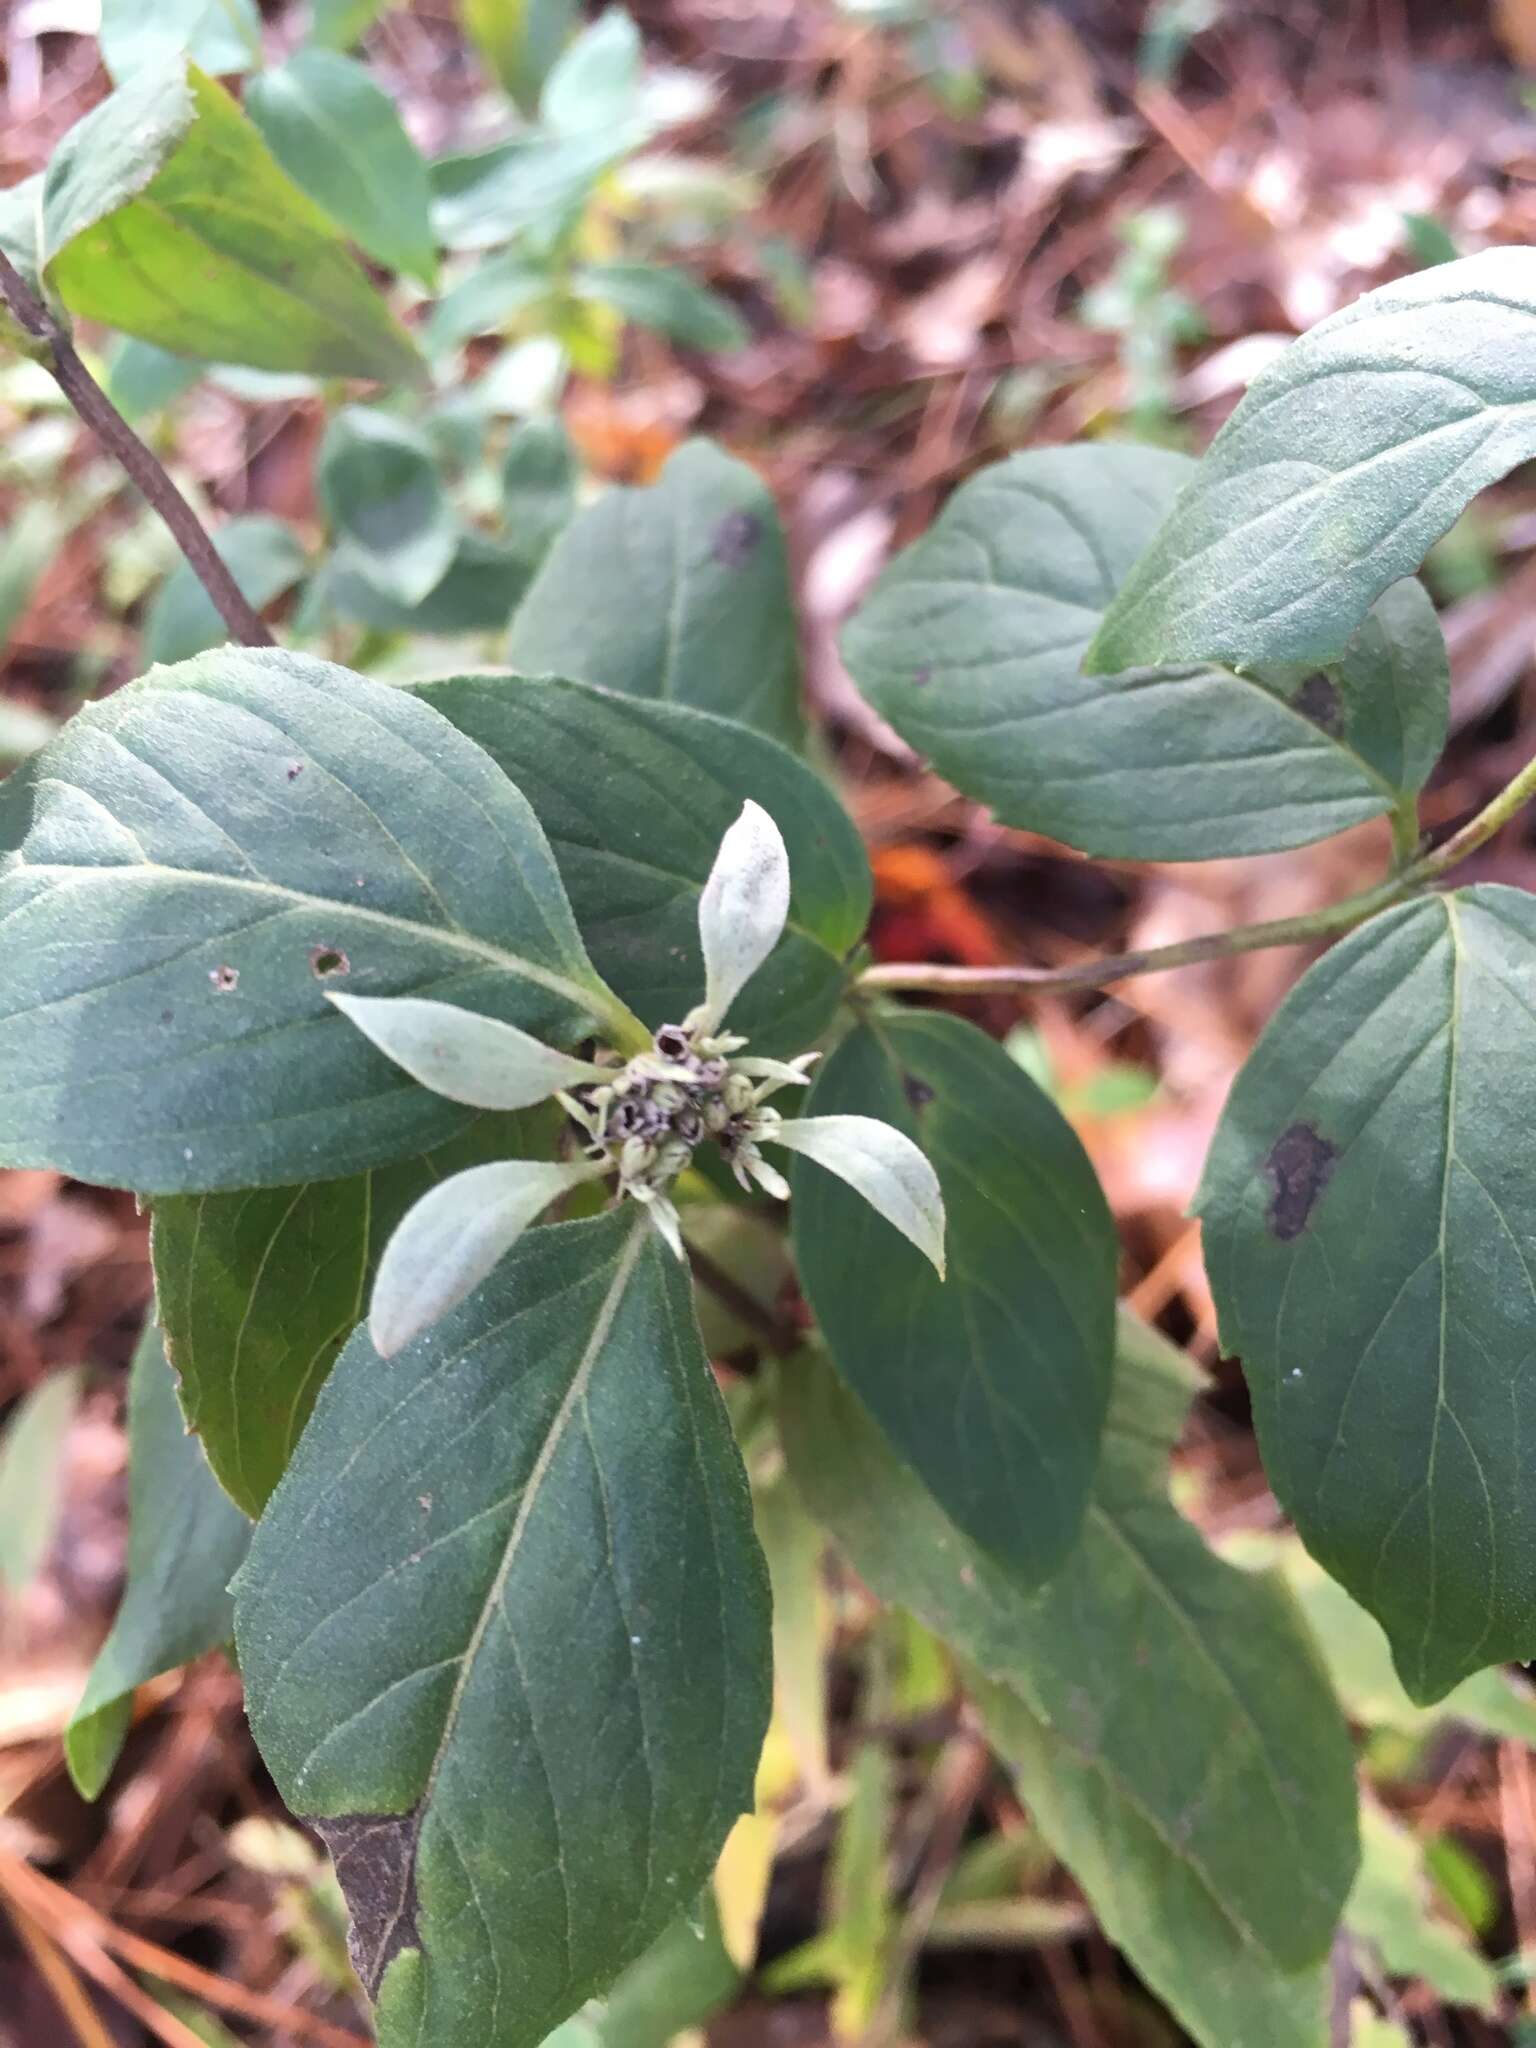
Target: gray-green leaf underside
{"x":635,"y":798}
{"x":972,"y":645}
{"x":1165,"y":1714}
{"x":259,"y":1290}
{"x":504,"y":1634}
{"x":1346,"y":461}
{"x":993,"y":1382}
{"x":1370,"y":1234}
{"x":679,"y":590}
{"x":190,"y":865}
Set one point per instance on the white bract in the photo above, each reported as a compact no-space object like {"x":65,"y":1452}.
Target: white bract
{"x":640,"y":1119}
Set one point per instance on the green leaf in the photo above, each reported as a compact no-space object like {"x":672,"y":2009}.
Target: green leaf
{"x":595,"y":82}
{"x":265,"y":558}
{"x":992,"y":1383}
{"x":538,"y":487}
{"x":185,"y":1541}
{"x":338,"y":136}
{"x":1348,"y":458}
{"x":1366,"y":1217}
{"x":635,"y":798}
{"x":682,"y":1980}
{"x":483,"y":583}
{"x":678,"y":591}
{"x":504,"y":1634}
{"x":520,"y":40}
{"x":142,"y":378}
{"x":1163,"y":1712}
{"x":175,"y":912}
{"x":667,"y":301}
{"x":379,"y":487}
{"x":972,"y":646}
{"x":534,"y":186}
{"x":165,"y":216}
{"x":1390,"y":1908}
{"x":1359,"y":1661}
{"x":20,"y":226}
{"x":31,"y":1475}
{"x":221,"y":36}
{"x":258,"y":1292}
{"x":486,"y":300}
{"x":339,"y":24}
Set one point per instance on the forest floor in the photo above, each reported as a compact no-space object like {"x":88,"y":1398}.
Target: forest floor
{"x":986,"y":226}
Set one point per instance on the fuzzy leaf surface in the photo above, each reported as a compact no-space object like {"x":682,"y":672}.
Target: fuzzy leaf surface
{"x":1369,"y":1223}
{"x":992,"y":1383}
{"x":1162,"y":1711}
{"x":635,"y":798}
{"x":678,"y":590}
{"x":1347,"y":460}
{"x":504,"y":1629}
{"x":188,"y":868}
{"x":972,"y":646}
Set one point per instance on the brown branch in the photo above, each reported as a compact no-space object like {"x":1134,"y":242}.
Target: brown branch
{"x":60,"y":358}
{"x":777,"y":1336}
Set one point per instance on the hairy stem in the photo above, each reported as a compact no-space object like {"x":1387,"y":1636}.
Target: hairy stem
{"x":1331,"y":919}
{"x":60,"y":358}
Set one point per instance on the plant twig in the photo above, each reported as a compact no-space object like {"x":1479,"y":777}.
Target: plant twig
{"x":1331,"y":919}
{"x":61,"y":359}
{"x":776,"y":1335}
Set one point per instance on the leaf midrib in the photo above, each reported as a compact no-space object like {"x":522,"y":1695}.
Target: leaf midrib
{"x":580,"y":994}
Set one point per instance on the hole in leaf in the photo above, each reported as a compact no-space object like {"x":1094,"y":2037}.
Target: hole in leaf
{"x":224,"y":978}
{"x":324,"y":961}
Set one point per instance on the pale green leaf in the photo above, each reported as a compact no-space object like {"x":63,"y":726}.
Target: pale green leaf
{"x":880,"y":1164}
{"x":339,"y":137}
{"x":1346,"y":461}
{"x":1391,"y":1908}
{"x":1367,"y":1218}
{"x":164,"y":215}
{"x":32,"y":1474}
{"x":444,"y":1246}
{"x":635,"y":797}
{"x":221,"y":36}
{"x":185,"y":1541}
{"x":515,"y":1559}
{"x":972,"y":646}
{"x":175,"y":913}
{"x":993,"y":1382}
{"x":533,"y":187}
{"x":594,"y":84}
{"x":458,"y":1053}
{"x":678,"y":591}
{"x":258,"y":1291}
{"x":742,"y":907}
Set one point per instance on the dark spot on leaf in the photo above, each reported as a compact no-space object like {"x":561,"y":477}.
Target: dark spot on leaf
{"x":324,"y":961}
{"x":1299,"y":1167}
{"x":736,"y":537}
{"x":917,"y":1092}
{"x":375,"y":1858}
{"x":167,"y":1016}
{"x":224,"y":978}
{"x":295,"y":770}
{"x":1319,"y":699}
{"x":922,"y":675}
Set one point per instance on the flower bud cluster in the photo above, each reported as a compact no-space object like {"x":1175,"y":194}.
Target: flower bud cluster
{"x":646,"y":1123}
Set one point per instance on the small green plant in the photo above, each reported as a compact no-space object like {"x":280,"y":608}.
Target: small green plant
{"x":351,"y":980}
